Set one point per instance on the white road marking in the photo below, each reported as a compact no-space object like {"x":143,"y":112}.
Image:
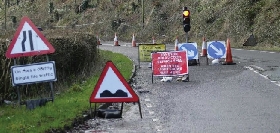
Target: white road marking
{"x":264,"y":76}
{"x":259,"y":68}
{"x":149,"y":105}
{"x":158,"y":128}
{"x":277,"y":83}
{"x":155,"y":119}
{"x":151,"y":112}
{"x":147,"y":100}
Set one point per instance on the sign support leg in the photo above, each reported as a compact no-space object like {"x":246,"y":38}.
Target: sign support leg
{"x":90,"y":110}
{"x":94,"y":110}
{"x":18,"y":92}
{"x":140,"y":109}
{"x":51,"y":83}
{"x":121,"y":109}
{"x":139,"y":58}
{"x":152,"y":78}
{"x":186,"y":37}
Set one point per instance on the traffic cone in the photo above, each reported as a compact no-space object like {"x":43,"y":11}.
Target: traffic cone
{"x":176,"y":44}
{"x":228,"y":60}
{"x":98,"y":40}
{"x":204,"y":48}
{"x":116,"y":42}
{"x":154,"y":42}
{"x":133,"y":41}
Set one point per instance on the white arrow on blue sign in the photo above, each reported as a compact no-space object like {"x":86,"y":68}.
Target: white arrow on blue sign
{"x":191,"y":49}
{"x":216,"y":49}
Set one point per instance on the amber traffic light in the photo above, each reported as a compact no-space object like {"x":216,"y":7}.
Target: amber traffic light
{"x":186,"y":20}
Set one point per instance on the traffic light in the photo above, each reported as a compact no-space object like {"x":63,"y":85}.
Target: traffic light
{"x":186,"y":20}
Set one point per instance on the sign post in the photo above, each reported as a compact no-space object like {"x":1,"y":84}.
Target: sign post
{"x":29,"y":41}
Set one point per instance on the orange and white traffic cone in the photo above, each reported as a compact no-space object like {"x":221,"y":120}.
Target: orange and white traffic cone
{"x":176,"y":44}
{"x":116,"y":42}
{"x":154,"y":41}
{"x":98,"y":40}
{"x":228,"y":60}
{"x":204,"y":49}
{"x":133,"y":41}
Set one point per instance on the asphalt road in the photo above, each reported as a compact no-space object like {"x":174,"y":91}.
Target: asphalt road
{"x":241,"y":98}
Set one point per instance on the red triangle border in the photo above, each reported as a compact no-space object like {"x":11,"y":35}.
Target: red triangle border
{"x":33,"y":53}
{"x":92,"y":99}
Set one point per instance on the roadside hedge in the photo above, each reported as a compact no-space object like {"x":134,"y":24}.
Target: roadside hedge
{"x":76,"y":53}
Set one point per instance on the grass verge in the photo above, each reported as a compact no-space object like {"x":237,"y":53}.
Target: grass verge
{"x":65,"y":108}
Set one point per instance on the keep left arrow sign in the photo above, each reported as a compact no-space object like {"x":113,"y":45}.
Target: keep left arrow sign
{"x":219,"y":52}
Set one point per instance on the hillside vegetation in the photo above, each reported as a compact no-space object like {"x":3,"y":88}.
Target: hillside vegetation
{"x":215,"y":19}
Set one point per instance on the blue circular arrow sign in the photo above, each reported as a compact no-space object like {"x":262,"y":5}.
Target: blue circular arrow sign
{"x":191,"y":49}
{"x":216,"y":49}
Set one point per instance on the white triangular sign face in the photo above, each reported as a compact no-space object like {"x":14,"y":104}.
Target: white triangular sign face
{"x":112,"y":83}
{"x":112,"y":87}
{"x":28,"y":41}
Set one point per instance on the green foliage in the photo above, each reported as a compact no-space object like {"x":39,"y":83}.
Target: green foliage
{"x":75,"y":56}
{"x":66,"y":107}
{"x":76,"y":88}
{"x":215,"y":19}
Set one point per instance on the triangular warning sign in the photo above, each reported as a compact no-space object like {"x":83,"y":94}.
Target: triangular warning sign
{"x":112,"y":87}
{"x":28,"y":41}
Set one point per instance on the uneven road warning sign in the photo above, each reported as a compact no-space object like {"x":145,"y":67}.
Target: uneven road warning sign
{"x":28,"y":41}
{"x":112,"y":87}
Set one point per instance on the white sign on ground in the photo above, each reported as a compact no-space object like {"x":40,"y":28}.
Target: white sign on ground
{"x":33,"y":73}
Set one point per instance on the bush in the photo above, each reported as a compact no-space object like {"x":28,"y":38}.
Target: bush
{"x":75,"y":56}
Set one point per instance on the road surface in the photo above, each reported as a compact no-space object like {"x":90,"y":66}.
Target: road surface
{"x":241,"y":98}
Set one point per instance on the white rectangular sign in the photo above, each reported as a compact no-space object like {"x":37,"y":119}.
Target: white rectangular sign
{"x":33,"y":73}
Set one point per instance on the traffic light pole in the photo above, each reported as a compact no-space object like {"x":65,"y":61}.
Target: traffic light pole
{"x":186,"y":37}
{"x":143,"y":21}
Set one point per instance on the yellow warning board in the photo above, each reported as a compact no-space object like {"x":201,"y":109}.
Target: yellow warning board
{"x":145,"y":51}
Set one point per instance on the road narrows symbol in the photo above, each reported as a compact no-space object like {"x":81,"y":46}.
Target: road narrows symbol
{"x":30,"y":40}
{"x":23,"y":41}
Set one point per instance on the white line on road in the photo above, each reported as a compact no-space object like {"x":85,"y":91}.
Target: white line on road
{"x":264,"y":76}
{"x":149,"y":105}
{"x":147,"y":100}
{"x":155,"y":119}
{"x":158,"y":128}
